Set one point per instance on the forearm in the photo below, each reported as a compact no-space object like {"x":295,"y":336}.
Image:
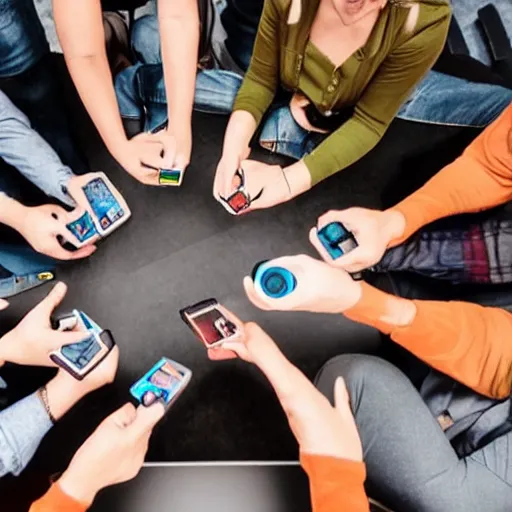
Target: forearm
{"x":93,"y":81}
{"x":480,"y":179}
{"x":22,"y":428}
{"x":180,"y":41}
{"x":241,"y":128}
{"x":465,"y":341}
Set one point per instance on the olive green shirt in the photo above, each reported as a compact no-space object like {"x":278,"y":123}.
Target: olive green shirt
{"x":375,"y":80}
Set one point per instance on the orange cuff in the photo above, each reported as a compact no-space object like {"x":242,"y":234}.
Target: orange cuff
{"x":56,"y":500}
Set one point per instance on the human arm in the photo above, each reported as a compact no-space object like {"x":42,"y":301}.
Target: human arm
{"x":253,"y":99}
{"x":24,"y":149}
{"x":114,"y":453}
{"x":330,"y":447}
{"x":479,"y":179}
{"x":401,"y":70}
{"x":179,"y":28}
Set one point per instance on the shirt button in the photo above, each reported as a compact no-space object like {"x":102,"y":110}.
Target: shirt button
{"x":330,"y":88}
{"x":328,"y":113}
{"x":335,"y":81}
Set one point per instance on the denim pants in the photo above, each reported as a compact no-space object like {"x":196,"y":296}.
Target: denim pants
{"x":411,"y":466}
{"x":28,"y":77}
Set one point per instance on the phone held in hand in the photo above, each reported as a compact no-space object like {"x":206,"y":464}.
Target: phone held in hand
{"x":239,"y":200}
{"x":271,"y":281}
{"x":209,"y":323}
{"x":336,"y":239}
{"x":170,"y":177}
{"x":164,"y":383}
{"x":83,"y":229}
{"x":81,"y":358}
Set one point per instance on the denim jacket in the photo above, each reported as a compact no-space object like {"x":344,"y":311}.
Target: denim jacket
{"x":22,"y":428}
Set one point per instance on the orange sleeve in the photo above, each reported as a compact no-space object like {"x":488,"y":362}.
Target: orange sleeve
{"x":479,"y":179}
{"x":468,"y":342}
{"x":55,"y":500}
{"x":336,"y":484}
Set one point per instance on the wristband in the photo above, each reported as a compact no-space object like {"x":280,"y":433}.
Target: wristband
{"x":43,"y":395}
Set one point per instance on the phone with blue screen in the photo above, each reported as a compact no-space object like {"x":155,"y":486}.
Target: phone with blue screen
{"x":164,"y":383}
{"x":79,"y":359}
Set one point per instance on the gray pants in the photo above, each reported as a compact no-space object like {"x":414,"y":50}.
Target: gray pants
{"x":411,"y":465}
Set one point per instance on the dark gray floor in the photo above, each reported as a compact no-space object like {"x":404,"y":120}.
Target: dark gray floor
{"x":181,"y":247}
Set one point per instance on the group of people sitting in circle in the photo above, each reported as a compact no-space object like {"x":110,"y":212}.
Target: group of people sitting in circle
{"x":319,"y":81}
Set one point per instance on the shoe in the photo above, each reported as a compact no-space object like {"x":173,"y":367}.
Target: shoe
{"x":117,"y":42}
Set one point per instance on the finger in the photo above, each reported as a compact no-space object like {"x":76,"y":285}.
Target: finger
{"x":69,"y":237}
{"x":124,"y":416}
{"x":353,"y":261}
{"x":229,"y":180}
{"x":3,"y":304}
{"x":342,"y":216}
{"x":221,"y":354}
{"x":61,"y":338}
{"x":148,"y":176}
{"x":169,"y":146}
{"x":63,"y":254}
{"x":341,"y":397}
{"x":53,"y":299}
{"x":253,"y":295}
{"x":315,"y":242}
{"x":181,"y":162}
{"x":147,"y":418}
{"x":230,"y":315}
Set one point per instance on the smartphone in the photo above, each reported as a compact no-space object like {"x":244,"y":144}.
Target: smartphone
{"x":170,"y":177}
{"x":239,"y":200}
{"x":83,"y":228}
{"x":165,"y":382}
{"x":81,"y":358}
{"x":209,"y":324}
{"x":336,"y":239}
{"x":105,"y":206}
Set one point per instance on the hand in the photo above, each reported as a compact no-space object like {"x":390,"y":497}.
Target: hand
{"x":177,"y":148}
{"x":319,"y":428}
{"x":320,"y":288}
{"x":41,"y":225}
{"x":32,"y":340}
{"x":142,"y":157}
{"x":3,"y":304}
{"x":64,"y":391}
{"x":225,"y":181}
{"x":374,"y":230}
{"x":113,"y":454}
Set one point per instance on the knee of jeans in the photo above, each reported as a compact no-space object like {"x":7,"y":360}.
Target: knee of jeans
{"x":355,"y":369}
{"x":146,"y":39}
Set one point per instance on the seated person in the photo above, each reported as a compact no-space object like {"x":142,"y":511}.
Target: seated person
{"x":465,"y":250}
{"x":24,"y":424}
{"x":342,"y":70}
{"x":25,"y":150}
{"x":330,"y":448}
{"x":423,"y":450}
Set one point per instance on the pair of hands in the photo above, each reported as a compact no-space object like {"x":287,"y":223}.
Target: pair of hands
{"x":268,"y":179}
{"x":33,"y":339}
{"x":145,"y":154}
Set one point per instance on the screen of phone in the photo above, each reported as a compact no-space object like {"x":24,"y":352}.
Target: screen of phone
{"x":83,"y":228}
{"x":81,"y":354}
{"x":103,"y":202}
{"x":212,"y":326}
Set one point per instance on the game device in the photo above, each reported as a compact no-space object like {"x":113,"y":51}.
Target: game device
{"x":79,"y":359}
{"x":83,"y":229}
{"x":170,"y":177}
{"x":209,"y":324}
{"x":164,"y":382}
{"x":274,"y":282}
{"x":336,"y":239}
{"x":239,"y":200}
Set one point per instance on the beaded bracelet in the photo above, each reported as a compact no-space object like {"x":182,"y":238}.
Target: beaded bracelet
{"x":43,"y":395}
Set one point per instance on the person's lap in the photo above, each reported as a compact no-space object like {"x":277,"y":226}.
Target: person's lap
{"x":410,"y":463}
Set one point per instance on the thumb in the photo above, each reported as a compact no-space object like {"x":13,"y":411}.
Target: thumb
{"x":124,"y":416}
{"x":341,"y":397}
{"x":147,"y":418}
{"x":53,"y":299}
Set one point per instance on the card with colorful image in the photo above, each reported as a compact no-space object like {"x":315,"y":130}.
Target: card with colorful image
{"x":170,"y":177}
{"x":83,"y":228}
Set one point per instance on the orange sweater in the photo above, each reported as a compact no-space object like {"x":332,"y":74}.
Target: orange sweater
{"x":479,"y":179}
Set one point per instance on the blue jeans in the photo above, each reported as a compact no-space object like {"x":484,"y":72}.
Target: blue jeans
{"x":28,"y":77}
{"x":410,"y":463}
